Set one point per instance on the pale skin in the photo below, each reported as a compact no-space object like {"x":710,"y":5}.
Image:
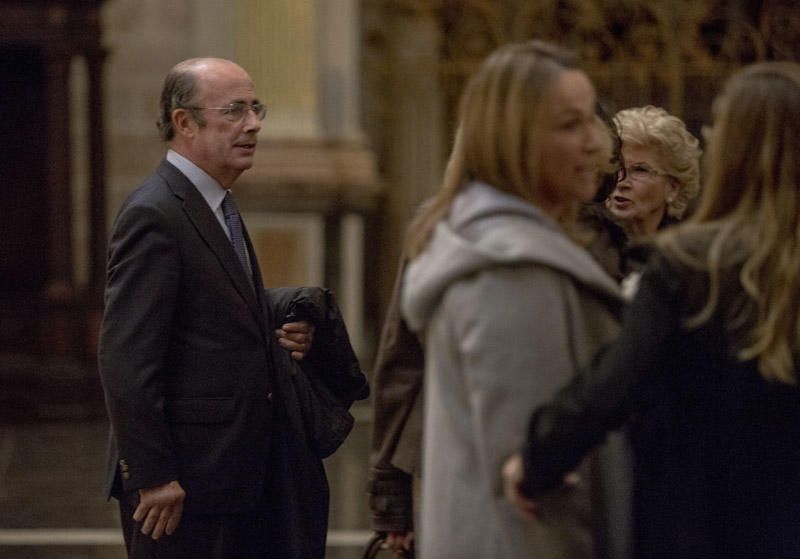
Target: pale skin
{"x":224,"y":150}
{"x":160,"y":509}
{"x":512,"y":482}
{"x":296,"y":337}
{"x":640,"y":203}
{"x":569,"y":143}
{"x":512,"y":473}
{"x":399,"y":542}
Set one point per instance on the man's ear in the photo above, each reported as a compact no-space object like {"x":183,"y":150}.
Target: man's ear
{"x":183,"y":123}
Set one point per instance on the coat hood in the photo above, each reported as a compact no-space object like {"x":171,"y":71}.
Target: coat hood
{"x":487,"y":228}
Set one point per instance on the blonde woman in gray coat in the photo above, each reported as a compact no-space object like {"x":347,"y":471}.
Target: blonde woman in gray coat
{"x":506,"y":303}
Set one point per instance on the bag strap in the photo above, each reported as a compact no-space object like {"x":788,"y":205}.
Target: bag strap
{"x":373,"y":546}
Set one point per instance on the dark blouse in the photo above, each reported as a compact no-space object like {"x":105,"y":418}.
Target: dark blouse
{"x":611,"y":246}
{"x":717,"y":453}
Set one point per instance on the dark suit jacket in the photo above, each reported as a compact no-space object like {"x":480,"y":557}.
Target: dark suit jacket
{"x":184,"y":353}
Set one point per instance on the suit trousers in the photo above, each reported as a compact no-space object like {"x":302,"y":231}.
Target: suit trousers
{"x":205,"y":536}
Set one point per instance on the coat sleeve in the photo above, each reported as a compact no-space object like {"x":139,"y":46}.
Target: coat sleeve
{"x":140,"y":301}
{"x":396,"y":427}
{"x":512,"y":329}
{"x":603,"y":396}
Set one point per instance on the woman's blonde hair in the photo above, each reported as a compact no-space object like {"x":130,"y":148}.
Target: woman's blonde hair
{"x":654,"y":127}
{"x":750,"y":212}
{"x":498,"y":123}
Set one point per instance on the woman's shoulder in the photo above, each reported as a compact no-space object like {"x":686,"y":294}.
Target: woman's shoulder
{"x":679,"y":262}
{"x":685,"y":245}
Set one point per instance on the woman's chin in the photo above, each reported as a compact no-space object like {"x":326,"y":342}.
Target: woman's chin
{"x":621,"y":216}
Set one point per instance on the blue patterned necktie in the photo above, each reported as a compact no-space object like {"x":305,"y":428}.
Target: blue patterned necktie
{"x":234,"y":222}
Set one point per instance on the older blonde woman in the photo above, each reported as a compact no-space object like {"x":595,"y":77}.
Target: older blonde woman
{"x":661,"y":174}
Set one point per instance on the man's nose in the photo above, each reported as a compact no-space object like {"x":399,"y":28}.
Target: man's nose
{"x":251,"y":121}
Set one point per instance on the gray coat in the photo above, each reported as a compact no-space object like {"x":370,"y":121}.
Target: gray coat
{"x":508,"y":307}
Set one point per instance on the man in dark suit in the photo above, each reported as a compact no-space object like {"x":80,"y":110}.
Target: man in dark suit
{"x":185,"y":343}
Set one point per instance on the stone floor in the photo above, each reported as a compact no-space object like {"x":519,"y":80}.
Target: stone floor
{"x":51,"y":494}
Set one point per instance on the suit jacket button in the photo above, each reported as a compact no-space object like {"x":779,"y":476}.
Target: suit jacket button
{"x":126,"y":476}
{"x":123,"y":463}
{"x":269,"y":396}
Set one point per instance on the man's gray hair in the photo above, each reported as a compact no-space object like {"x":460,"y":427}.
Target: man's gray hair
{"x":180,"y":87}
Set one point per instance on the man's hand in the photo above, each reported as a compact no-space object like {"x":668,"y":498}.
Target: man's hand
{"x":296,"y":337}
{"x":513,"y":473}
{"x":160,"y":508}
{"x":401,"y":543}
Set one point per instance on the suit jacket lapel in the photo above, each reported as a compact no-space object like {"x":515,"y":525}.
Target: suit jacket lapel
{"x":209,"y":229}
{"x":258,"y":281}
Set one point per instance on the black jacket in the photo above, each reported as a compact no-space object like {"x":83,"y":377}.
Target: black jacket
{"x":312,"y":399}
{"x":715,"y":445}
{"x":397,"y":421}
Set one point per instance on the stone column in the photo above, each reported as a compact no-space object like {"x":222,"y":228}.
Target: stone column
{"x":97,"y":190}
{"x":414,"y":150}
{"x":303,"y":58}
{"x":338,"y":101}
{"x":337,"y":73}
{"x":416,"y":117}
{"x":59,"y":286}
{"x":276,"y":44}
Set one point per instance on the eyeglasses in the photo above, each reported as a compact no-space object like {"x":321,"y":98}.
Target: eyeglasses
{"x":639,"y":173}
{"x":237,"y":110}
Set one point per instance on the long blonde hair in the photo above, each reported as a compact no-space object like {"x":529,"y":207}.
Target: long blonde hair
{"x":750,"y":212}
{"x":496,"y":139}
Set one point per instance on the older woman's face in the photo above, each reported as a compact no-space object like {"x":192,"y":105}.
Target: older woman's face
{"x":640,"y":200}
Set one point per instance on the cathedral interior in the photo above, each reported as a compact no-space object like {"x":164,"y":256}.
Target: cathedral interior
{"x":362,"y":97}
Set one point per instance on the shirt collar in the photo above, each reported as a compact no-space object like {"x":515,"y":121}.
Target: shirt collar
{"x":211,"y":191}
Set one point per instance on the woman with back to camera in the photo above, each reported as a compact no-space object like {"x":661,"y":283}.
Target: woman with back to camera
{"x":716,"y":325}
{"x":505,"y":302}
